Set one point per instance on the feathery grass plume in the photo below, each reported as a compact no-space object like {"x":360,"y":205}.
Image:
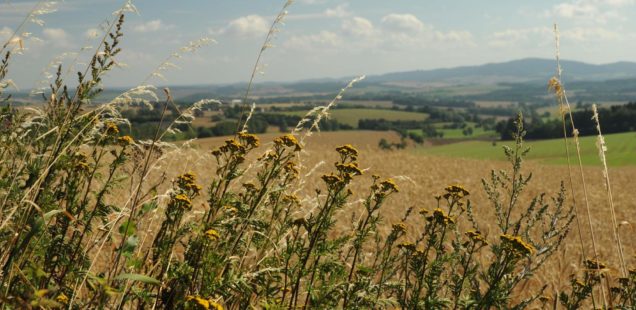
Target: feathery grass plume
{"x":602,"y":148}
{"x":168,"y":63}
{"x":144,"y":93}
{"x":48,"y":73}
{"x":555,"y":84}
{"x":249,"y":116}
{"x":267,"y":44}
{"x":17,"y":38}
{"x":316,"y":114}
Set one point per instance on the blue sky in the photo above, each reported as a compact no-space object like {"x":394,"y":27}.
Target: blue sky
{"x":320,"y":38}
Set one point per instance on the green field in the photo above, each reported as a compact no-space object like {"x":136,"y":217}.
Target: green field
{"x":352,"y":116}
{"x":621,"y":150}
{"x":459,"y":133}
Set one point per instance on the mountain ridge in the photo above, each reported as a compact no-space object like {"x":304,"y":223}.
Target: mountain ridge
{"x":526,"y":69}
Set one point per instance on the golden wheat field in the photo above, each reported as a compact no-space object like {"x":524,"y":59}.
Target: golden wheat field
{"x":421,"y":178}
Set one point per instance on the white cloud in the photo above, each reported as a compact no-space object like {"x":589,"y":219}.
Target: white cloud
{"x":152,"y":26}
{"x":544,"y":36}
{"x":321,"y":40}
{"x":311,"y":2}
{"x":5,"y":33}
{"x":247,"y":26}
{"x":572,"y":10}
{"x":91,"y":33}
{"x":591,"y":11}
{"x":514,"y":37}
{"x":339,"y":11}
{"x":358,"y":26}
{"x":455,"y":36}
{"x":589,"y":34}
{"x":404,"y":23}
{"x":57,"y":37}
{"x":617,"y":3}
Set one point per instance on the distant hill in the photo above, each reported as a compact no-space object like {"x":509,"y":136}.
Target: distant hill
{"x":522,"y":79}
{"x":523,"y":70}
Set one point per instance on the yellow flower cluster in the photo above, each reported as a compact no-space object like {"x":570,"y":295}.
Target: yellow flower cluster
{"x":409,"y":246}
{"x":250,"y":140}
{"x":82,"y":166}
{"x":350,"y":169}
{"x":125,"y":140}
{"x":62,"y":298}
{"x":230,"y":209}
{"x":476,"y":236}
{"x":389,"y":186}
{"x":288,"y":140}
{"x":348,"y":150}
{"x":399,"y":228}
{"x":331,"y":179}
{"x":212,"y":234}
{"x":187,"y":181}
{"x":291,"y":199}
{"x":594,"y":264}
{"x":440,"y":218}
{"x":231,"y":146}
{"x":456,"y":191}
{"x":291,"y":169}
{"x":517,"y":245}
{"x":202,"y":303}
{"x":187,"y":177}
{"x":110,"y":129}
{"x":182,"y":200}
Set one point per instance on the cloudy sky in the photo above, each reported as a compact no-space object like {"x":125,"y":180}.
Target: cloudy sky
{"x":319,"y":38}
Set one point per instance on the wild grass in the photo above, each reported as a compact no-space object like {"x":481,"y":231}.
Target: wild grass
{"x":91,"y":218}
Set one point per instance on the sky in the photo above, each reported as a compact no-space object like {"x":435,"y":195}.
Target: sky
{"x":316,"y":39}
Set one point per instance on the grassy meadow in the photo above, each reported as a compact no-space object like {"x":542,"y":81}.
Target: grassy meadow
{"x":621,"y":150}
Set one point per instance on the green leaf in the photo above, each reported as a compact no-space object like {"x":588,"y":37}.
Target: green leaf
{"x":138,"y":277}
{"x":147,"y":207}
{"x":128,"y":228}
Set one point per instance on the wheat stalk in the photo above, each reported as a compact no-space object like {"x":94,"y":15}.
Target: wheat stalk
{"x":602,"y":148}
{"x":564,"y":107}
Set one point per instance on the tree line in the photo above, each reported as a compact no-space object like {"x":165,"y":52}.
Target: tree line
{"x":615,"y":119}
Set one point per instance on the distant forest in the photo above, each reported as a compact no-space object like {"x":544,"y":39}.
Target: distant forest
{"x":615,"y":119}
